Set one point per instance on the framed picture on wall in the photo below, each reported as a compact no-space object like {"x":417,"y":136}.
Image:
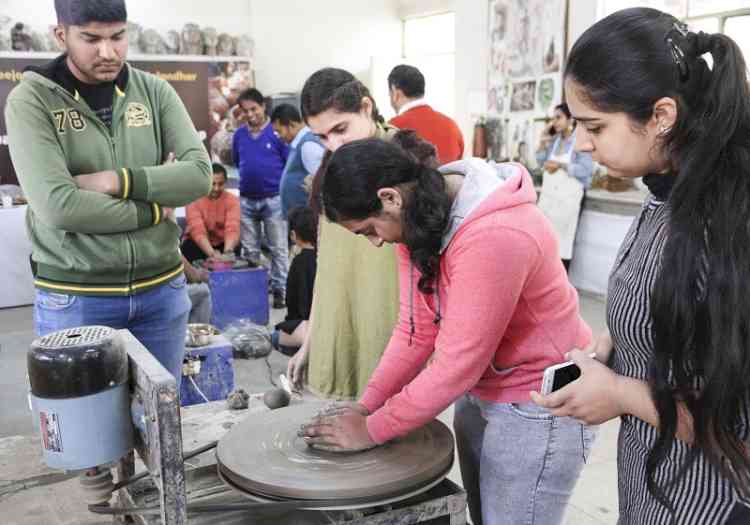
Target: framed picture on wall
{"x":524,"y":70}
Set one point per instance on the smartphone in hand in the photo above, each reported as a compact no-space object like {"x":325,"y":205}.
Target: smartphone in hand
{"x":557,"y":376}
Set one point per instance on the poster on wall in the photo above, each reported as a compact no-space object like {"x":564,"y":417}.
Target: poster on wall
{"x":496,"y":140}
{"x":526,"y":57}
{"x":209,"y":90}
{"x":522,"y":97}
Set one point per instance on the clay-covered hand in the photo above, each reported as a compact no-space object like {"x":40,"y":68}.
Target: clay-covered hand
{"x":337,"y":407}
{"x":296,"y":368}
{"x":593,"y":398}
{"x":106,"y":182}
{"x":344,"y":431}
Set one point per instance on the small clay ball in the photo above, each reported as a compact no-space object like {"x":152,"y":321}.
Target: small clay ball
{"x":238,"y":400}
{"x":276,"y":398}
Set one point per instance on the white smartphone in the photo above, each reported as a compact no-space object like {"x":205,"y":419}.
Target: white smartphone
{"x":557,"y":376}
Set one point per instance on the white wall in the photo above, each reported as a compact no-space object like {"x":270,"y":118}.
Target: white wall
{"x":472,"y":46}
{"x":294,"y":38}
{"x":227,"y":16}
{"x":230,"y":16}
{"x":37,"y":14}
{"x":410,"y":8}
{"x":583,"y":14}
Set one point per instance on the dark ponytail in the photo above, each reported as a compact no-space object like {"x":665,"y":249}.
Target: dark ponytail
{"x":700,"y":306}
{"x":425,"y":220}
{"x":407,"y":139}
{"x":355,"y":173}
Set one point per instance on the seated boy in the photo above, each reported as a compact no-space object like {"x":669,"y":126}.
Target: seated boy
{"x":290,"y":333}
{"x":199,"y":293}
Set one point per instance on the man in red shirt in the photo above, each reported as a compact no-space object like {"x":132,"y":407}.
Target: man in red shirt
{"x":213,"y":222}
{"x":406,"y":87}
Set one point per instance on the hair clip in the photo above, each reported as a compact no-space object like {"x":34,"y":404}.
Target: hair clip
{"x":679,"y":31}
{"x":681,"y":27}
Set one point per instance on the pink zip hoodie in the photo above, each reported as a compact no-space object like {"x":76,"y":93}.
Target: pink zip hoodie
{"x":506,"y":310}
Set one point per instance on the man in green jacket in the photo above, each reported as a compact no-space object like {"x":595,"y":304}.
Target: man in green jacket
{"x":103,"y":151}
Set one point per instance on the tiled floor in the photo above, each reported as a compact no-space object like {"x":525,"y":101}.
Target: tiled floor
{"x":594,"y":501}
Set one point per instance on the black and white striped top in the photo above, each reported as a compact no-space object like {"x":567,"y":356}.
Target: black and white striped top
{"x":703,"y":496}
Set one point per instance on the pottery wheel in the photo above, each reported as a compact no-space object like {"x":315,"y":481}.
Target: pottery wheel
{"x":264,"y":457}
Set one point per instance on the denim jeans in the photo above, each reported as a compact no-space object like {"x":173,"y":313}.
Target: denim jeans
{"x":519,"y":463}
{"x":201,"y":304}
{"x":267,"y":212}
{"x":157,"y":318}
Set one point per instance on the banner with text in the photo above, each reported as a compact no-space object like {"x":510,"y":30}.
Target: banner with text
{"x":208,"y":89}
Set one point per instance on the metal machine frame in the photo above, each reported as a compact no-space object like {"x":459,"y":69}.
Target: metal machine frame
{"x":155,"y":406}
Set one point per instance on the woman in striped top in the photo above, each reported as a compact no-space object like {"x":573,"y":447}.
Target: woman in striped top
{"x":677,"y":309}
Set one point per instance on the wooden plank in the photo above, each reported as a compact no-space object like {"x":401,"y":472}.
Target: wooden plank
{"x":159,"y":433}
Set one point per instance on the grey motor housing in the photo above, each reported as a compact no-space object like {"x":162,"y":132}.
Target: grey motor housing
{"x":80,"y":398}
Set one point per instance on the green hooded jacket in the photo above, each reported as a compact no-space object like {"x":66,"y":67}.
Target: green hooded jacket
{"x":89,"y":243}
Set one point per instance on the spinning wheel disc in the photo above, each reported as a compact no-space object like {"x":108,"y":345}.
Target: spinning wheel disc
{"x":264,"y":456}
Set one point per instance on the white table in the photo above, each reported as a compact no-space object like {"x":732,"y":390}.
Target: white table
{"x":604,"y":222}
{"x":16,"y":281}
{"x":597,"y":241}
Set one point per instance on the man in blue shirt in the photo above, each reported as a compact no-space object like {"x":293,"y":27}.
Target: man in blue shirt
{"x":260,"y":155}
{"x":305,"y":155}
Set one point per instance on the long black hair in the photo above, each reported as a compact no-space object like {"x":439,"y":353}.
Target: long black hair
{"x":355,"y":173}
{"x":699,"y":305}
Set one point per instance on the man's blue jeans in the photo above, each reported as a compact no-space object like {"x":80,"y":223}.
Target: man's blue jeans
{"x":268,"y":212}
{"x":157,"y":318}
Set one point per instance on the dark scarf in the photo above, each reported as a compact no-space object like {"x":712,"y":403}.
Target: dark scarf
{"x":660,"y":185}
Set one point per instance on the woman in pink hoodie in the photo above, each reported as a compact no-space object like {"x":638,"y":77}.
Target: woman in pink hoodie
{"x":486,"y":306}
